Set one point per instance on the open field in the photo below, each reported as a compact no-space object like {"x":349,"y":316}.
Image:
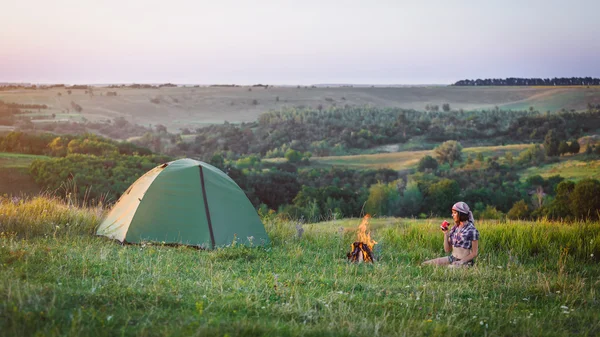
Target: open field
{"x":18,"y":160}
{"x":531,"y":279}
{"x":194,"y":107}
{"x":405,"y":160}
{"x":570,"y":169}
{"x":14,"y":175}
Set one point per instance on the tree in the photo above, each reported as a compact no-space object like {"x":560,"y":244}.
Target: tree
{"x":560,"y":206}
{"x":384,"y":199}
{"x":585,"y":199}
{"x":449,"y":152}
{"x":509,"y":158}
{"x":376,"y":201}
{"x":412,"y":200}
{"x":574,"y":147}
{"x":442,"y":195}
{"x":58,"y":147}
{"x":427,"y":163}
{"x":293,"y":156}
{"x":446,"y":107}
{"x":532,"y":155}
{"x":479,"y":157}
{"x":217,"y":160}
{"x":563,"y":148}
{"x":520,"y":210}
{"x":551,"y":143}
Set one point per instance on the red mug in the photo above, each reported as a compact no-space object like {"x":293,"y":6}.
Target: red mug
{"x":444,"y":225}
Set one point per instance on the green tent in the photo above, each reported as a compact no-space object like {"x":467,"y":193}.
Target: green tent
{"x":185,"y":202}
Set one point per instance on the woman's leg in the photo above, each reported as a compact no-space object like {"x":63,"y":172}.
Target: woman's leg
{"x":440,"y":261}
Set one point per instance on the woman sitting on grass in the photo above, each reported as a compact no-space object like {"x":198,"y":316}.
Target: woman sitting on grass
{"x":462,"y":239}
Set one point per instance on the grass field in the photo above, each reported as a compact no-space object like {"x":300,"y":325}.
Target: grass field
{"x":409,"y":159}
{"x":14,"y":176}
{"x":17,"y":160}
{"x":531,"y":279}
{"x":195,"y":107}
{"x":570,"y":169}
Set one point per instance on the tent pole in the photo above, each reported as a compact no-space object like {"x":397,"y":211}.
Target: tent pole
{"x":210,"y":229}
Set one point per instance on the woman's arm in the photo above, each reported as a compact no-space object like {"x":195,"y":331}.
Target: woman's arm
{"x":447,"y":247}
{"x":474,"y":252}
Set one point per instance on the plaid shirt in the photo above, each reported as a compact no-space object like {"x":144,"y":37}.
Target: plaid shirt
{"x":464,"y":237}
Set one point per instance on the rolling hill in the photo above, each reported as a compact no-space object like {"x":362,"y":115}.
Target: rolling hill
{"x":191,"y":107}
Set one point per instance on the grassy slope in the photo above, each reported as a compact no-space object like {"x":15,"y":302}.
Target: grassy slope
{"x":65,"y":282}
{"x":194,"y":107}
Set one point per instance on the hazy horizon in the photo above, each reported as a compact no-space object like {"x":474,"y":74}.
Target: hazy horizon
{"x":296,"y":43}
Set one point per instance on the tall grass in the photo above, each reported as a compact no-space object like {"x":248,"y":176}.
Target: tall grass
{"x":46,"y":216}
{"x":531,"y":279}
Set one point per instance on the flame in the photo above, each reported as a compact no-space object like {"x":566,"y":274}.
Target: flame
{"x":362,"y":234}
{"x":362,"y":249}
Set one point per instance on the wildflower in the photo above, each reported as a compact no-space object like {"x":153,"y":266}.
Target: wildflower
{"x":499,"y":267}
{"x":564,"y":307}
{"x":592,"y":255}
{"x":108,"y":318}
{"x":480,"y":322}
{"x":558,"y":291}
{"x":525,"y":299}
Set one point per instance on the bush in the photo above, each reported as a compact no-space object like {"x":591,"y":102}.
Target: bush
{"x":489,"y":213}
{"x":427,"y":163}
{"x":520,"y":210}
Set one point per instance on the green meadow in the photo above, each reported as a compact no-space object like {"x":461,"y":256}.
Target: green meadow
{"x":18,"y":160}
{"x":58,"y":279}
{"x":569,"y":169}
{"x":14,"y":174}
{"x":407,"y":159}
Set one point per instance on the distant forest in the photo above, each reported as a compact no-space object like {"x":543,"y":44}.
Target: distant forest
{"x":342,"y":131}
{"x":530,"y":81}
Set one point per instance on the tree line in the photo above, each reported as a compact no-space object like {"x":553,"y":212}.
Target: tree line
{"x":62,"y":145}
{"x":515,"y":81}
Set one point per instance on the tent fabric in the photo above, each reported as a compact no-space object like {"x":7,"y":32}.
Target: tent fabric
{"x":185,"y":202}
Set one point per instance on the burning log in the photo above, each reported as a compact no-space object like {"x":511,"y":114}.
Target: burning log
{"x":362,"y":249}
{"x":360,"y":252}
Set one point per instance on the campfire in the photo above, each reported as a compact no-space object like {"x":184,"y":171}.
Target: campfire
{"x":362,"y":248}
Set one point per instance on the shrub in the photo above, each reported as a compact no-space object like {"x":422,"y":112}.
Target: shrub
{"x":520,"y":210}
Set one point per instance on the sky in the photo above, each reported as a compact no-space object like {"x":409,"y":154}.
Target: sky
{"x":296,"y":42}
